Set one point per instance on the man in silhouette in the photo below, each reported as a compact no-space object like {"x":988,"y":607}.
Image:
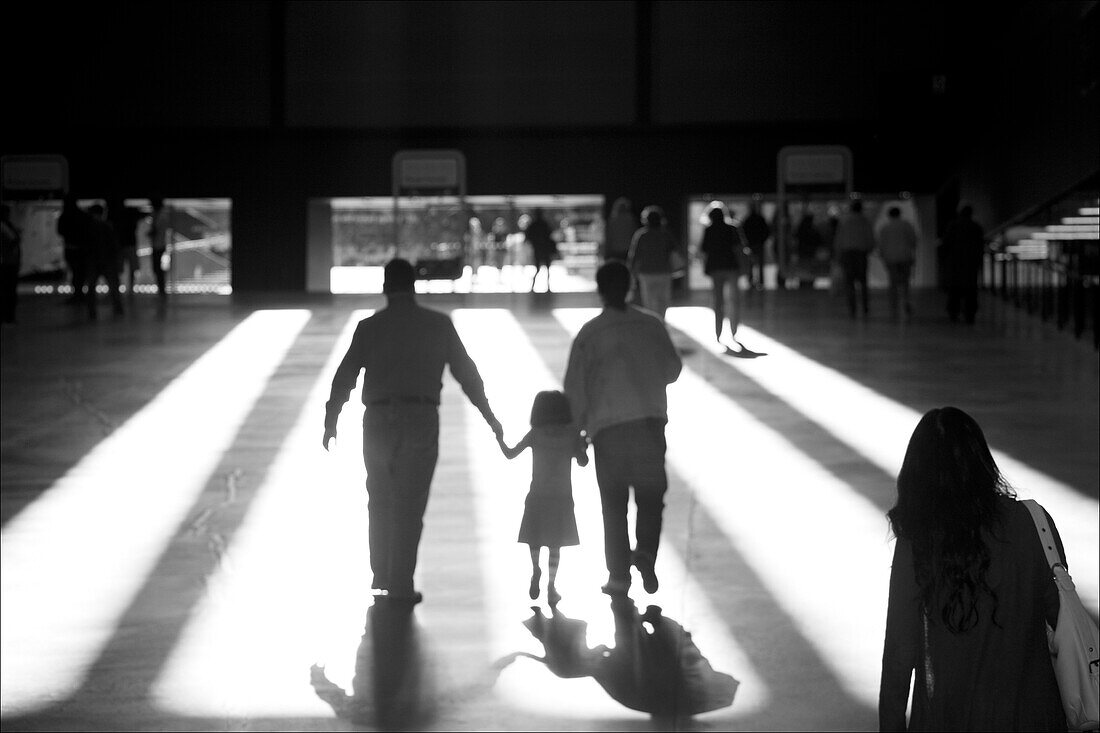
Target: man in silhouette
{"x":854,"y":241}
{"x":543,"y":247}
{"x":963,"y":246}
{"x":160,"y":237}
{"x":11,"y":258}
{"x":756,"y":231}
{"x":102,"y":260}
{"x":402,"y":350}
{"x":619,"y":366}
{"x":74,"y":226}
{"x":897,"y":245}
{"x":124,"y":219}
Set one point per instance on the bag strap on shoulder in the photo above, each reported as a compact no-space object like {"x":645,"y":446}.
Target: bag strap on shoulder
{"x":1045,"y":535}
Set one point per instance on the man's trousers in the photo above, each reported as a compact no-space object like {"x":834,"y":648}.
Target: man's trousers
{"x":631,"y":455}
{"x":400,"y":448}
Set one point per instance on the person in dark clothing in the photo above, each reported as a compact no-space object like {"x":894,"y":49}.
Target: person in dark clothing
{"x":402,"y":350}
{"x":11,"y":259}
{"x":125,"y":219}
{"x":102,"y":261}
{"x":809,"y":242}
{"x":650,"y":260}
{"x":619,"y":367}
{"x":620,"y":230}
{"x":74,"y":227}
{"x":160,"y":240}
{"x":543,"y":247}
{"x":963,"y":247}
{"x":854,"y":241}
{"x":721,"y":248}
{"x":756,"y":230}
{"x":971,"y":593}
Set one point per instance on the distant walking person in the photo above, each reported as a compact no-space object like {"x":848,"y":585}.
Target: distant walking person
{"x":548,"y":519}
{"x":160,"y":240}
{"x":721,"y":248}
{"x":619,"y":366}
{"x":809,"y":244}
{"x":963,"y":248}
{"x":650,"y":261}
{"x":401,"y":350}
{"x":619,"y":230}
{"x":125,"y":219}
{"x":498,"y":242}
{"x":75,"y":227}
{"x":102,"y":261}
{"x":897,"y":245}
{"x":971,"y":593}
{"x":11,"y":259}
{"x":756,"y":231}
{"x":543,"y":247}
{"x":854,"y":241}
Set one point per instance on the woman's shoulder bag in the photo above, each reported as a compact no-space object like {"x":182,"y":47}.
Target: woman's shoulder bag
{"x":1075,"y":642}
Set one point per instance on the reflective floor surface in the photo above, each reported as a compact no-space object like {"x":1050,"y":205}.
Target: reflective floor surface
{"x":179,"y":552}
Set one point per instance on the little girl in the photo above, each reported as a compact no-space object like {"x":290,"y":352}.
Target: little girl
{"x":548,"y":519}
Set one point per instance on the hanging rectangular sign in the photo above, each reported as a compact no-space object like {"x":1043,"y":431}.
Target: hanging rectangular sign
{"x":34,"y":175}
{"x":801,"y":168}
{"x":429,"y":173}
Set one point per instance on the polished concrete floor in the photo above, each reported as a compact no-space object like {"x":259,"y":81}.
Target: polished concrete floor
{"x":179,"y":553}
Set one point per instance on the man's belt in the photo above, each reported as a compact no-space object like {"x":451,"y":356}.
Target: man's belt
{"x":405,"y":400}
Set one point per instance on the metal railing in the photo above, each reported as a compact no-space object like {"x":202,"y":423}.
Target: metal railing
{"x":1061,"y":287}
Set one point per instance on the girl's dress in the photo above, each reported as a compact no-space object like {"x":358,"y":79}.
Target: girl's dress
{"x":548,"y":519}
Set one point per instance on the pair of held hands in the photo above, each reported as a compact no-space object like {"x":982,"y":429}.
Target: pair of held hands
{"x":498,"y":430}
{"x":510,"y":452}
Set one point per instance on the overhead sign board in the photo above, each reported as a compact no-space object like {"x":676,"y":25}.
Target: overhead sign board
{"x":814,"y":165}
{"x":828,"y":168}
{"x":34,"y":175}
{"x":429,"y":173}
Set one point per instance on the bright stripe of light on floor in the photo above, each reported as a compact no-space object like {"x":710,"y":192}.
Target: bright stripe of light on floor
{"x":513,"y":374}
{"x":809,"y":537}
{"x":293,"y":587}
{"x":74,"y":559}
{"x":834,"y":398}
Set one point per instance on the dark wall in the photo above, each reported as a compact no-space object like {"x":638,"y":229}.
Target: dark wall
{"x":460,"y":64}
{"x":1040,"y":109}
{"x":271,"y":104}
{"x":133,"y":66}
{"x":758,"y":60}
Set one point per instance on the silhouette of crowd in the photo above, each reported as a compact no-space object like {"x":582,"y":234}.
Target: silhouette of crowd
{"x":101,"y":243}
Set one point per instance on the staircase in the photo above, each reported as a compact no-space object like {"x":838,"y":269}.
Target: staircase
{"x":1050,"y":264}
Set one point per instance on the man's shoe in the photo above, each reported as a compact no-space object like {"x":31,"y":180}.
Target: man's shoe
{"x":644,"y":563}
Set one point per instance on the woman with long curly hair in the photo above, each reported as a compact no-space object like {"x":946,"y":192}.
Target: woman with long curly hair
{"x":971,"y":593}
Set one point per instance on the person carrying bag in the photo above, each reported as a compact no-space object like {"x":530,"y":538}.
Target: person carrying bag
{"x":1074,"y":642}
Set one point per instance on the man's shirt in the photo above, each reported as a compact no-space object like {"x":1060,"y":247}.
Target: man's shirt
{"x":402,"y":350}
{"x":897,"y":241}
{"x":854,"y":233}
{"x":619,"y":365}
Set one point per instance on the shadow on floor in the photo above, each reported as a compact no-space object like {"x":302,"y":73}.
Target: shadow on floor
{"x":392,"y":688}
{"x":654,"y":667}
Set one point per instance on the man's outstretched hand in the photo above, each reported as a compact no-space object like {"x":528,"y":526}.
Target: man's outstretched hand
{"x":329,"y":435}
{"x":498,"y":429}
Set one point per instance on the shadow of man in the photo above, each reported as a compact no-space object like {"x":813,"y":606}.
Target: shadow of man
{"x":654,"y":667}
{"x":390,"y":689}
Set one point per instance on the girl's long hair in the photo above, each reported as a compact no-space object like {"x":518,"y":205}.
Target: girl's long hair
{"x":551,"y":407}
{"x":948,"y":491}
